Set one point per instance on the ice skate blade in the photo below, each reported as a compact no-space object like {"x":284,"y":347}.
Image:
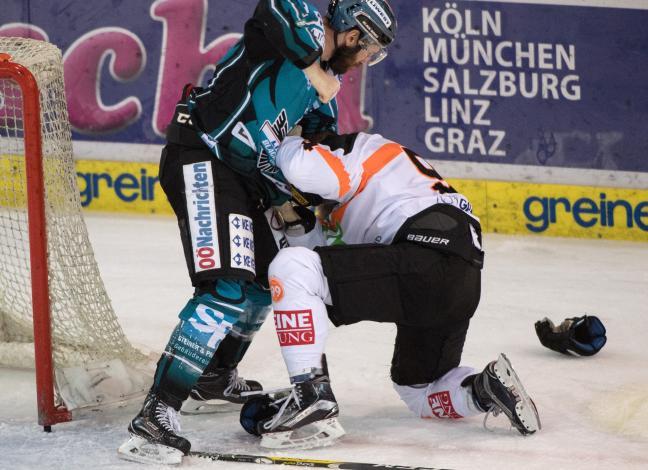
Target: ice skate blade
{"x":203,"y":407}
{"x":525,"y":409}
{"x":318,"y":434}
{"x":138,"y":449}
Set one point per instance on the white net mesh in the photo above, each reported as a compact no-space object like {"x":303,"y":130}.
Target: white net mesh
{"x":84,"y":326}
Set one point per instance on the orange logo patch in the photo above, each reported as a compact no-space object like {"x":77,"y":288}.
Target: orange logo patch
{"x":277,"y":290}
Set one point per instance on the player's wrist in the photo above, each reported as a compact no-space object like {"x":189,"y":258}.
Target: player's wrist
{"x":326,"y":84}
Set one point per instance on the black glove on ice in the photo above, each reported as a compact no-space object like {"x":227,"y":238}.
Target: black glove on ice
{"x":580,"y":336}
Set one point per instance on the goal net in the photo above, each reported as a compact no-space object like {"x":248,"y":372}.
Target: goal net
{"x":93,"y":361}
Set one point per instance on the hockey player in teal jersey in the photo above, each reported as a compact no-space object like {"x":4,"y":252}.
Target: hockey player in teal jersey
{"x":218,"y":172}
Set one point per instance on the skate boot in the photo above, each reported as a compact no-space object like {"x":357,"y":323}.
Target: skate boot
{"x":153,"y":435}
{"x":498,"y":389}
{"x":218,"y":392}
{"x":305,"y":418}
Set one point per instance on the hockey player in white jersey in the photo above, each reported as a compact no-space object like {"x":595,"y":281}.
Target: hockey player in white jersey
{"x":407,"y":250}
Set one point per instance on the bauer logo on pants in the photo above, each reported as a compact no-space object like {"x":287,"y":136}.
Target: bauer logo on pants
{"x":201,"y":208}
{"x":295,"y":327}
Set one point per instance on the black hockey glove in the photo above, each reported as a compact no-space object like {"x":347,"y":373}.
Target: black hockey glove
{"x":580,"y":336}
{"x":305,"y":224}
{"x":260,"y":408}
{"x":311,"y":140}
{"x":256,"y":410}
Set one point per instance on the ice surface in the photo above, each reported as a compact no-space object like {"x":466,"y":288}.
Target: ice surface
{"x":594,"y":411}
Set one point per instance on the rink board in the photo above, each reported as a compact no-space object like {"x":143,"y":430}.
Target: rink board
{"x":503,"y":207}
{"x":488,"y":82}
{"x":559,"y":210}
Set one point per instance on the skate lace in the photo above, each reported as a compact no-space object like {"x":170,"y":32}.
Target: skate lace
{"x":235,"y":383}
{"x":495,"y":409}
{"x":168,"y":418}
{"x":295,"y":395}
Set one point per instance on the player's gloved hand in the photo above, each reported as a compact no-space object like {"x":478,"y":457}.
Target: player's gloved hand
{"x":313,"y":139}
{"x":326,"y":84}
{"x":297,"y":220}
{"x":580,"y":336}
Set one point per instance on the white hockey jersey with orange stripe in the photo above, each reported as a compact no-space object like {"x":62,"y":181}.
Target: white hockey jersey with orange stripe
{"x":379,"y":185}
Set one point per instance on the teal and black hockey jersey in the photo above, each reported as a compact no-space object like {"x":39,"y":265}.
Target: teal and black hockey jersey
{"x":259,"y":92}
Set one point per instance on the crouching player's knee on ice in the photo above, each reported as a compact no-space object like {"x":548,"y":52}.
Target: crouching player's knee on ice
{"x":463,"y":392}
{"x":446,"y":397}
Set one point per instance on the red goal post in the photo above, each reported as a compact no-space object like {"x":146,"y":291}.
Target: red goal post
{"x":48,"y":412}
{"x":55,"y":314}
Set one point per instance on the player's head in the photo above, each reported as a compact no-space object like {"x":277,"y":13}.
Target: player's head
{"x":374,"y":24}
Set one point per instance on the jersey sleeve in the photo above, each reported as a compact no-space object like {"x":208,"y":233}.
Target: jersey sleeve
{"x":294,"y":28}
{"x":309,"y":171}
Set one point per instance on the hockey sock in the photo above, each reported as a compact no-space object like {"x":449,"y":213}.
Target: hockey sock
{"x":235,"y":345}
{"x":204,"y":323}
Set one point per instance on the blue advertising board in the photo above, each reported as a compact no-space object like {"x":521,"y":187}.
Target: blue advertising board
{"x":518,"y":83}
{"x":492,"y":82}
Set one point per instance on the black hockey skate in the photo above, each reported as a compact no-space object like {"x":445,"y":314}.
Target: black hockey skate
{"x":306,"y":418}
{"x":219,"y":391}
{"x":153,"y":435}
{"x":498,"y":389}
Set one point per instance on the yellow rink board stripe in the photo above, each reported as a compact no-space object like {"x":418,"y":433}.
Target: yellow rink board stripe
{"x":559,"y":210}
{"x":121,"y":187}
{"x":503,"y":207}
